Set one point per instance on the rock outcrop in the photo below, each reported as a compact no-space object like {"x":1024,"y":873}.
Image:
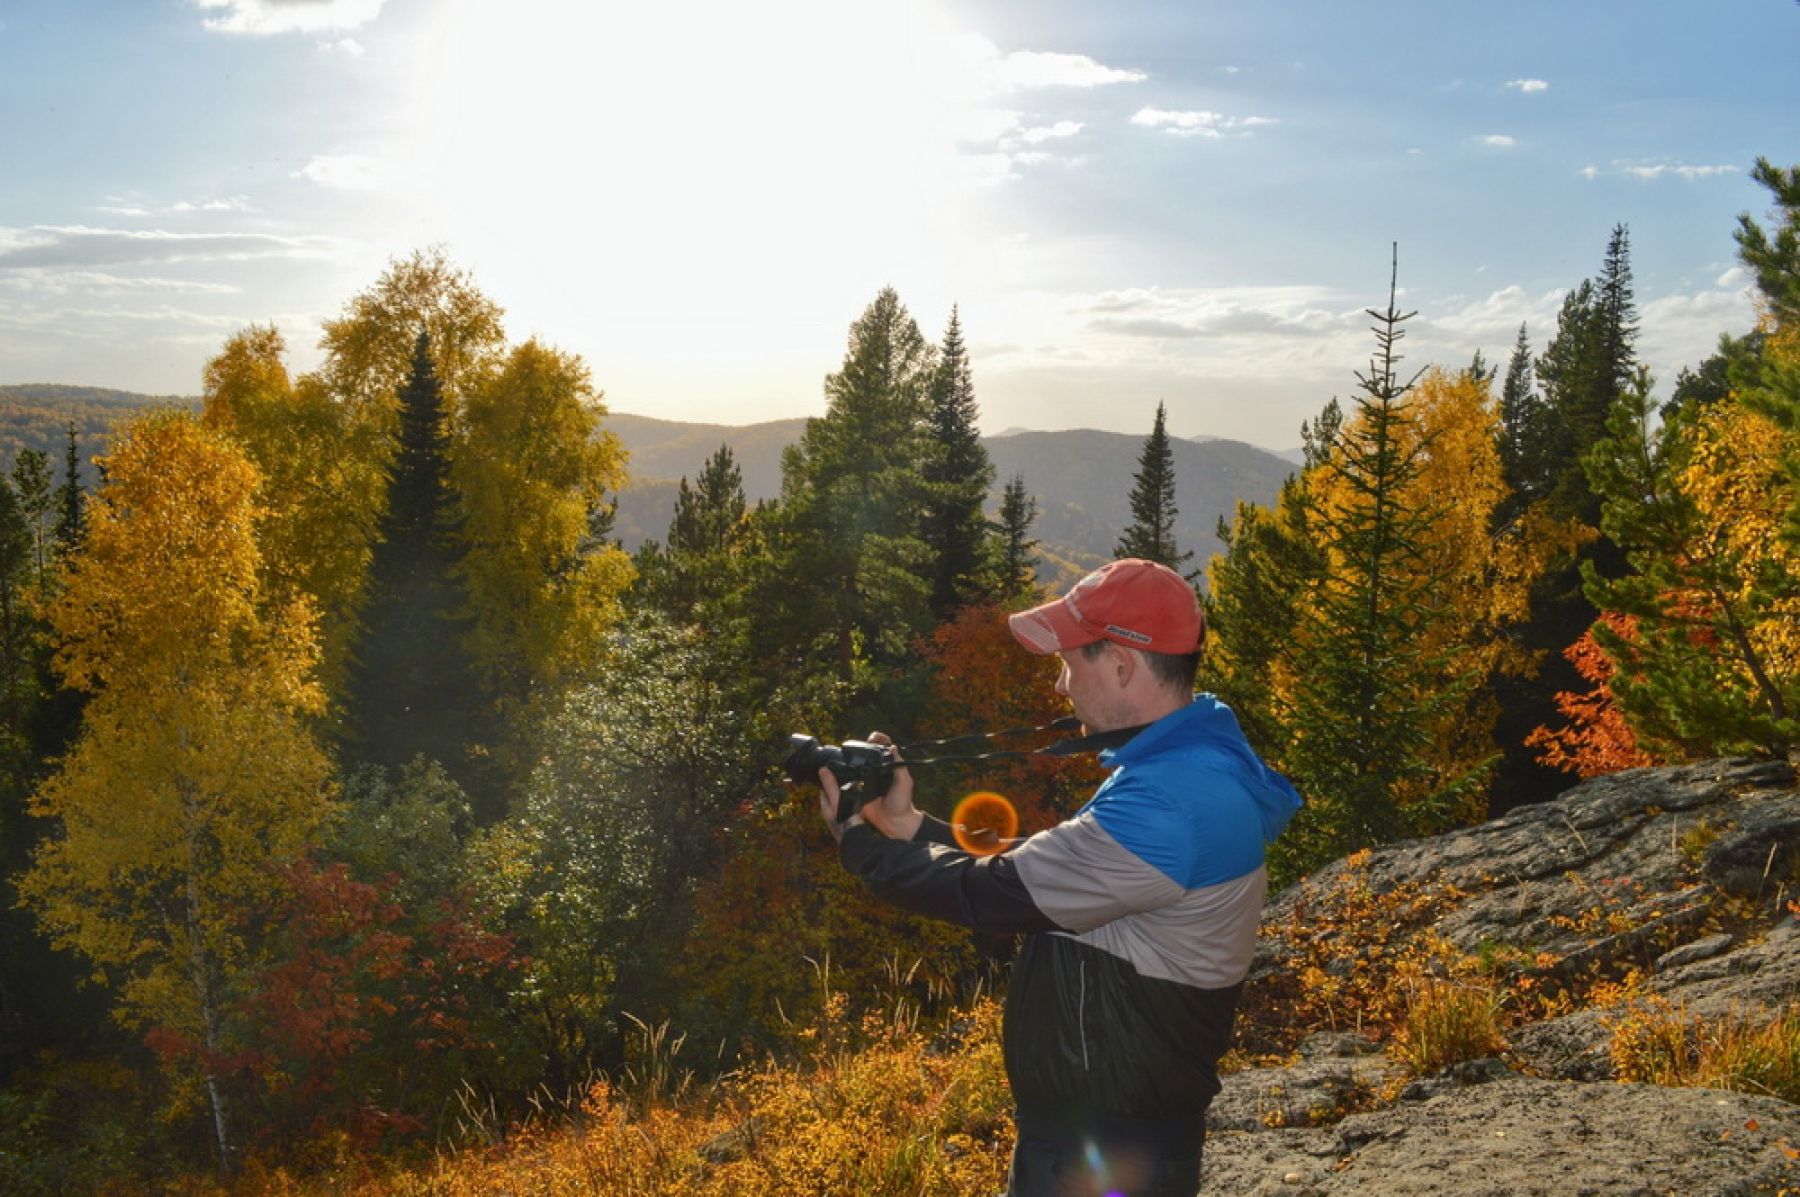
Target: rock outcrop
{"x":1678,"y":877}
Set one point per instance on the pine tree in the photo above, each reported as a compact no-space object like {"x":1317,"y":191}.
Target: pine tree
{"x":31,"y":481}
{"x":1584,"y":373}
{"x":1151,"y":534}
{"x":413,"y":689}
{"x":1366,"y":701}
{"x":1523,"y":432}
{"x":1018,"y":563}
{"x":703,"y":562}
{"x":957,"y":475}
{"x":709,"y":516}
{"x":71,"y":500}
{"x":849,"y":518}
{"x":1711,"y":668}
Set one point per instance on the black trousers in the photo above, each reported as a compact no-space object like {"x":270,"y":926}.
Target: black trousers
{"x":1106,"y":1159}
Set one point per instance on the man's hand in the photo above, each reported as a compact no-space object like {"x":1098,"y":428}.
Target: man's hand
{"x":893,"y":814}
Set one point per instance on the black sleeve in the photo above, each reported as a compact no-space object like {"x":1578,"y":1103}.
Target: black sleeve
{"x":935,"y":831}
{"x":920,"y":875}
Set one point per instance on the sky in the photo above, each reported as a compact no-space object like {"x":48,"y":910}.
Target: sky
{"x":1127,"y":203}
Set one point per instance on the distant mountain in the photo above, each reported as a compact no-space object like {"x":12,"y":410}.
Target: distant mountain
{"x":1082,"y":480}
{"x":37,"y":416}
{"x":1083,"y":483}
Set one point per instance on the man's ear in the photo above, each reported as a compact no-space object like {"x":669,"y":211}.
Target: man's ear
{"x":1125,"y":663}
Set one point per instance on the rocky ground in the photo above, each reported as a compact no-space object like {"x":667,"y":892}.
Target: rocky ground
{"x":1666,"y":864}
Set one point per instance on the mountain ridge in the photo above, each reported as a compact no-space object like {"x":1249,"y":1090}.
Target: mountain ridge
{"x":1080,"y":477}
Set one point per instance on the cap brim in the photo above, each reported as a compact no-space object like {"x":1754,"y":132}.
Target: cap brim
{"x":1049,"y":629}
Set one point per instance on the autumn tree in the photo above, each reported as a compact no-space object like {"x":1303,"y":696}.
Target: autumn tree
{"x":957,"y":475}
{"x":1713,"y":664}
{"x":194,"y":767}
{"x":319,"y":480}
{"x":1151,"y":533}
{"x":1773,"y":257}
{"x":1595,"y":739}
{"x":981,"y":680}
{"x":531,"y":471}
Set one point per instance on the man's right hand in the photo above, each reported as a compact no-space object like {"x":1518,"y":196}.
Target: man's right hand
{"x":893,"y":814}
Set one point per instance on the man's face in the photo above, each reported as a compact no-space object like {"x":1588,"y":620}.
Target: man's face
{"x":1092,"y":688}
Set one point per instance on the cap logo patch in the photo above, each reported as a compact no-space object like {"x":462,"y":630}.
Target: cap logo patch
{"x":1134,"y":636}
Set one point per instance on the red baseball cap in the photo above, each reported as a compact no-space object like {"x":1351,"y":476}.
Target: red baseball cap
{"x":1133,"y":602}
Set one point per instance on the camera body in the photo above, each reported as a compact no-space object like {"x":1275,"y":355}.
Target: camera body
{"x":863,"y":770}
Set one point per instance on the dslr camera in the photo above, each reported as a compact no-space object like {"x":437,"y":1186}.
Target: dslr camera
{"x":863,"y":770}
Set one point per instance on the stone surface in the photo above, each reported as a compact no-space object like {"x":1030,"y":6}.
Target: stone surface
{"x":1524,"y":1137}
{"x":1667,"y":855}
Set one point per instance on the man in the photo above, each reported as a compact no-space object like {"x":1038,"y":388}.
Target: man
{"x":1140,"y":912}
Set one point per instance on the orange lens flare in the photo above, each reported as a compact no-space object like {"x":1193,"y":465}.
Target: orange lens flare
{"x":983,"y":823}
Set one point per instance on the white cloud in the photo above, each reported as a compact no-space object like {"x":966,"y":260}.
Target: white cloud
{"x":1683,"y":330}
{"x":95,"y":282}
{"x":349,"y":47}
{"x":1499,"y":139}
{"x":1527,"y":86}
{"x":1196,"y":123}
{"x":77,"y":246}
{"x":1735,"y":279}
{"x":975,"y":61}
{"x":1197,"y":313}
{"x":287,"y":16}
{"x":1689,"y":173}
{"x":1038,"y":68}
{"x":345,"y":172}
{"x":1590,"y":171}
{"x":127,"y":207}
{"x":1051,"y":132}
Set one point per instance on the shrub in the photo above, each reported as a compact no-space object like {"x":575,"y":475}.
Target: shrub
{"x":1749,"y":1050}
{"x":1447,"y":1023}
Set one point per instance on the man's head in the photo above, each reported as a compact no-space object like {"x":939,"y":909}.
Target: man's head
{"x":1129,"y":635}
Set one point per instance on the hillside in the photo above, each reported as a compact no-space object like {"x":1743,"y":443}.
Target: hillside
{"x":1598,"y":994}
{"x":37,"y":416}
{"x":1082,"y":479}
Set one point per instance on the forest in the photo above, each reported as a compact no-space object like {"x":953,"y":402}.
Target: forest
{"x":361,"y":797}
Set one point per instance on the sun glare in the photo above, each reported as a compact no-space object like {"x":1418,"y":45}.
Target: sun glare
{"x":689,"y":158}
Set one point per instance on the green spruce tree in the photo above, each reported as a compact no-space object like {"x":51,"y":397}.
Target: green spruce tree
{"x":1018,"y":559}
{"x":1151,"y":533}
{"x":413,"y":689}
{"x":1364,"y":699}
{"x":71,"y":500}
{"x":848,"y":580}
{"x":957,"y":476}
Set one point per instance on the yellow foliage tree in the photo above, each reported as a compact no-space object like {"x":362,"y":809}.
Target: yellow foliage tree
{"x":317,"y":491}
{"x":533,"y":466}
{"x":529,"y":462}
{"x":1485,"y":574}
{"x":1480,"y":577}
{"x":194,"y":768}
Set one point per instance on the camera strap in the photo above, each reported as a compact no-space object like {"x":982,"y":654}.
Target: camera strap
{"x":1073,"y":746}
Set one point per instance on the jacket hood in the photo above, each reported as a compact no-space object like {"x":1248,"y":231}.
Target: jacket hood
{"x":1208,"y":726}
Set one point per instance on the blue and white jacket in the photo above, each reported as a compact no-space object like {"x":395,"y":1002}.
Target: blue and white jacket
{"x":1141,"y":915}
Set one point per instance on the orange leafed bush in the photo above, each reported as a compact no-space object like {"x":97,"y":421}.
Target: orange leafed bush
{"x":1596,"y":739}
